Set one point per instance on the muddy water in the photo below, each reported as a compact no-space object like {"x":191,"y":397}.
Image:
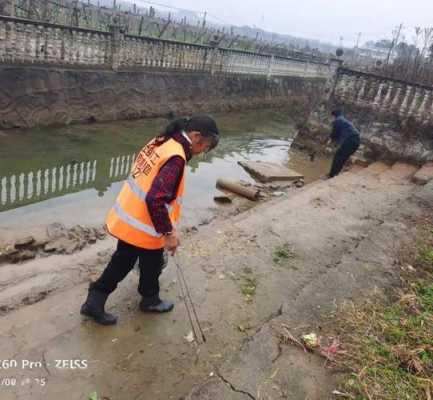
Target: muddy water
{"x":73,"y":174}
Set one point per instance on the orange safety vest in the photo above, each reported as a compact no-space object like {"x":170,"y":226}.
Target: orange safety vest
{"x":129,"y":219}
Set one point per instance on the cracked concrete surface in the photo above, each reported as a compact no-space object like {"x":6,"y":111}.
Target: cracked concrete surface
{"x":343,"y":233}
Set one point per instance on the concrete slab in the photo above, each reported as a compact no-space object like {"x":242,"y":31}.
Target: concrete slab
{"x":269,"y":172}
{"x":215,"y":389}
{"x":266,"y":369}
{"x":424,"y":175}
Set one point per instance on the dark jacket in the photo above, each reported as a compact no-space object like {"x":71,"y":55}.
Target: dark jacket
{"x":342,"y":129}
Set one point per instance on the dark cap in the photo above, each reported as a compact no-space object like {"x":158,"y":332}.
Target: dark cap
{"x":206,"y":125}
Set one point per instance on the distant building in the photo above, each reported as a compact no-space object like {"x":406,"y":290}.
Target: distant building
{"x":368,"y":57}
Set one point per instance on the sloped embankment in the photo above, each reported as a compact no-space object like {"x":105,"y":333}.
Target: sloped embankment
{"x":288,"y":262}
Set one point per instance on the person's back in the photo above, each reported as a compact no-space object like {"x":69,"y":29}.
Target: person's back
{"x":342,"y":129}
{"x":347,"y":137}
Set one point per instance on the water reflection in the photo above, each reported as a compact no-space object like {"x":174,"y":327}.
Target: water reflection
{"x":21,"y":189}
{"x":76,"y":171}
{"x":25,"y":188}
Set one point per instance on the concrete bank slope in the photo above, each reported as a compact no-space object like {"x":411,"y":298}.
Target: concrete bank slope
{"x":290,"y":261}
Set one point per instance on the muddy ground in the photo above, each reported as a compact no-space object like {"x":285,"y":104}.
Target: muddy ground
{"x":291,"y":260}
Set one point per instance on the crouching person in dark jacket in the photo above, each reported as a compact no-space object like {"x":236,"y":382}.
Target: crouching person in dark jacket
{"x":347,"y":137}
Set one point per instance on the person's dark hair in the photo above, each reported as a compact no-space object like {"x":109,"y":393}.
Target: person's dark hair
{"x":200,"y":123}
{"x":337,"y":113}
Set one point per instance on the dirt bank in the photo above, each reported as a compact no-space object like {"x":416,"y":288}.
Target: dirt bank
{"x":289,"y":261}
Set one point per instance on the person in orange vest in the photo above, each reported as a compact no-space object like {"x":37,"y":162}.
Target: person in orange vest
{"x":146,"y":213}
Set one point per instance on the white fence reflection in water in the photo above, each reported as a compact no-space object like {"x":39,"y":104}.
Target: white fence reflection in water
{"x":21,"y":189}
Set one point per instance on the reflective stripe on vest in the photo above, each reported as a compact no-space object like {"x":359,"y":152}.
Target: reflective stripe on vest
{"x":135,"y":223}
{"x":129,"y":220}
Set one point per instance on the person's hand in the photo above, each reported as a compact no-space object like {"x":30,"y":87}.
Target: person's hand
{"x":172,"y":242}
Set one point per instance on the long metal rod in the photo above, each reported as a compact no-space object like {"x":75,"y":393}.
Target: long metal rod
{"x":190,"y":300}
{"x":191,"y":304}
{"x":182,"y":290}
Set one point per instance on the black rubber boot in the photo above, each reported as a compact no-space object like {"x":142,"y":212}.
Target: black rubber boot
{"x":155,"y":304}
{"x":94,"y":308}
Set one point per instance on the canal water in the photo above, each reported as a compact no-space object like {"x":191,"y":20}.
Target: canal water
{"x":72,"y":174}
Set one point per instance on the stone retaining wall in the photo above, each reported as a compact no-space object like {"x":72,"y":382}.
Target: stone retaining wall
{"x":38,"y":96}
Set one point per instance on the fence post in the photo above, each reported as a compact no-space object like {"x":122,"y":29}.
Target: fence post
{"x":117,"y":41}
{"x":334,"y":65}
{"x":7,"y":7}
{"x":214,"y":58}
{"x":271,"y":63}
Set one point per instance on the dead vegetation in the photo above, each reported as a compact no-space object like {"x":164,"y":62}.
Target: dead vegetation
{"x":388,"y":341}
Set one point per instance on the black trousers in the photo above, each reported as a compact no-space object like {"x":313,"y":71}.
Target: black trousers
{"x":347,"y":148}
{"x":123,"y":260}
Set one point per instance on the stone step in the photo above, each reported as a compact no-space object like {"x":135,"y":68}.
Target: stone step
{"x":424,"y":175}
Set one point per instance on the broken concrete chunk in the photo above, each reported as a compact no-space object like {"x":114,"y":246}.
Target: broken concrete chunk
{"x":79,"y":231}
{"x":278,"y":186}
{"x":58,"y":245}
{"x":41,"y":242}
{"x":222,"y":198}
{"x":56,"y":230}
{"x":9,"y":250}
{"x":92,"y":237}
{"x":101,"y":233}
{"x":299,"y":183}
{"x":72,"y":246}
{"x":424,"y":175}
{"x":268,"y":172}
{"x":23,"y":256}
{"x":50,"y":247}
{"x":20,"y":243}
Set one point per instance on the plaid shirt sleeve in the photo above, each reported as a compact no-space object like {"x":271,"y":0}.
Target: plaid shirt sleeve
{"x":163,"y":191}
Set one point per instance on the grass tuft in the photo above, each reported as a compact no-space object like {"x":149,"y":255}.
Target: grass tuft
{"x":248,"y":287}
{"x":283,"y":255}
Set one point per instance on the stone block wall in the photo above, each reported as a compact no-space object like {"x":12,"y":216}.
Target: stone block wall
{"x":38,"y":96}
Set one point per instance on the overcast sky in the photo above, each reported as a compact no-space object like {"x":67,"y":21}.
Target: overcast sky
{"x":326,"y":20}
